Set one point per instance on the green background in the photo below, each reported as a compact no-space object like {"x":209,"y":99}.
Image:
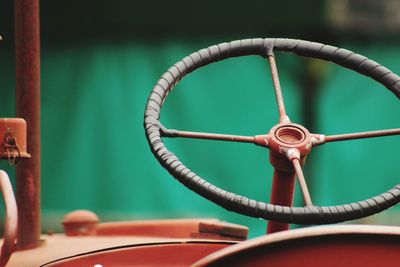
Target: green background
{"x":95,"y":82}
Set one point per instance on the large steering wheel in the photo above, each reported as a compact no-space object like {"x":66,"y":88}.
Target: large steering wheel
{"x":289,"y":143}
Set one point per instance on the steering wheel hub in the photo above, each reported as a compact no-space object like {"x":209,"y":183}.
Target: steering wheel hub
{"x":285,"y":136}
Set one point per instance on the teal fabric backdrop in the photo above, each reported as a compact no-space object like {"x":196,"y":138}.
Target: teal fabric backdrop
{"x":95,"y":155}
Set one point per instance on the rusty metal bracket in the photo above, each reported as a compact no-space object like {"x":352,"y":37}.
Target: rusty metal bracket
{"x":10,"y":146}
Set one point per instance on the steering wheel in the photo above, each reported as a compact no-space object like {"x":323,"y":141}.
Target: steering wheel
{"x":289,"y":143}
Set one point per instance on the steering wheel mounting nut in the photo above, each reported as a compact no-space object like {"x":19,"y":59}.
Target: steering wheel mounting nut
{"x":288,"y":141}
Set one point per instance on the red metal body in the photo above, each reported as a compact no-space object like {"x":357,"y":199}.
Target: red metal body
{"x":178,"y":254}
{"x":14,"y":129}
{"x":330,"y":246}
{"x":132,"y":244}
{"x":28,"y":108}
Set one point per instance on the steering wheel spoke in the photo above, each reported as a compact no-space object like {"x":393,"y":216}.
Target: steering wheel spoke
{"x":260,"y":140}
{"x":319,"y":139}
{"x":283,"y":117}
{"x":302,"y":182}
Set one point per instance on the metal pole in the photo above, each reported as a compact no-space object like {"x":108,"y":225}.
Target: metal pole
{"x":282,"y":194}
{"x":28,"y":107}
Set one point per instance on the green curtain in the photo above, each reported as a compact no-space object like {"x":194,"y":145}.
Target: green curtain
{"x":95,"y":155}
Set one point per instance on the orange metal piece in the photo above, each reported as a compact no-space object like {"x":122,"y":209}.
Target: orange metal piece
{"x":14,"y":128}
{"x":180,"y":228}
{"x":80,"y":222}
{"x":86,"y":223}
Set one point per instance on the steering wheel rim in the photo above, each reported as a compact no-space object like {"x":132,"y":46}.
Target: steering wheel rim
{"x":240,"y":204}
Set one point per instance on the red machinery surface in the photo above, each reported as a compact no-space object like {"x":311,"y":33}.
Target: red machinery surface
{"x":202,"y":242}
{"x":351,"y":245}
{"x":140,"y":243}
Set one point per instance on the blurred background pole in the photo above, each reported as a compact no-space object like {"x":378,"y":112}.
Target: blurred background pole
{"x":28,"y":107}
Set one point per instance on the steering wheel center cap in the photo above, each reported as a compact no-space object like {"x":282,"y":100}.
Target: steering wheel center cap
{"x":285,"y":136}
{"x":290,"y":135}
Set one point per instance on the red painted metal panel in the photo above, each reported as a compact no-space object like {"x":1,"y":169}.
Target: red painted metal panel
{"x":183,"y":228}
{"x":154,"y":255}
{"x":338,"y":251}
{"x":332,"y":246}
